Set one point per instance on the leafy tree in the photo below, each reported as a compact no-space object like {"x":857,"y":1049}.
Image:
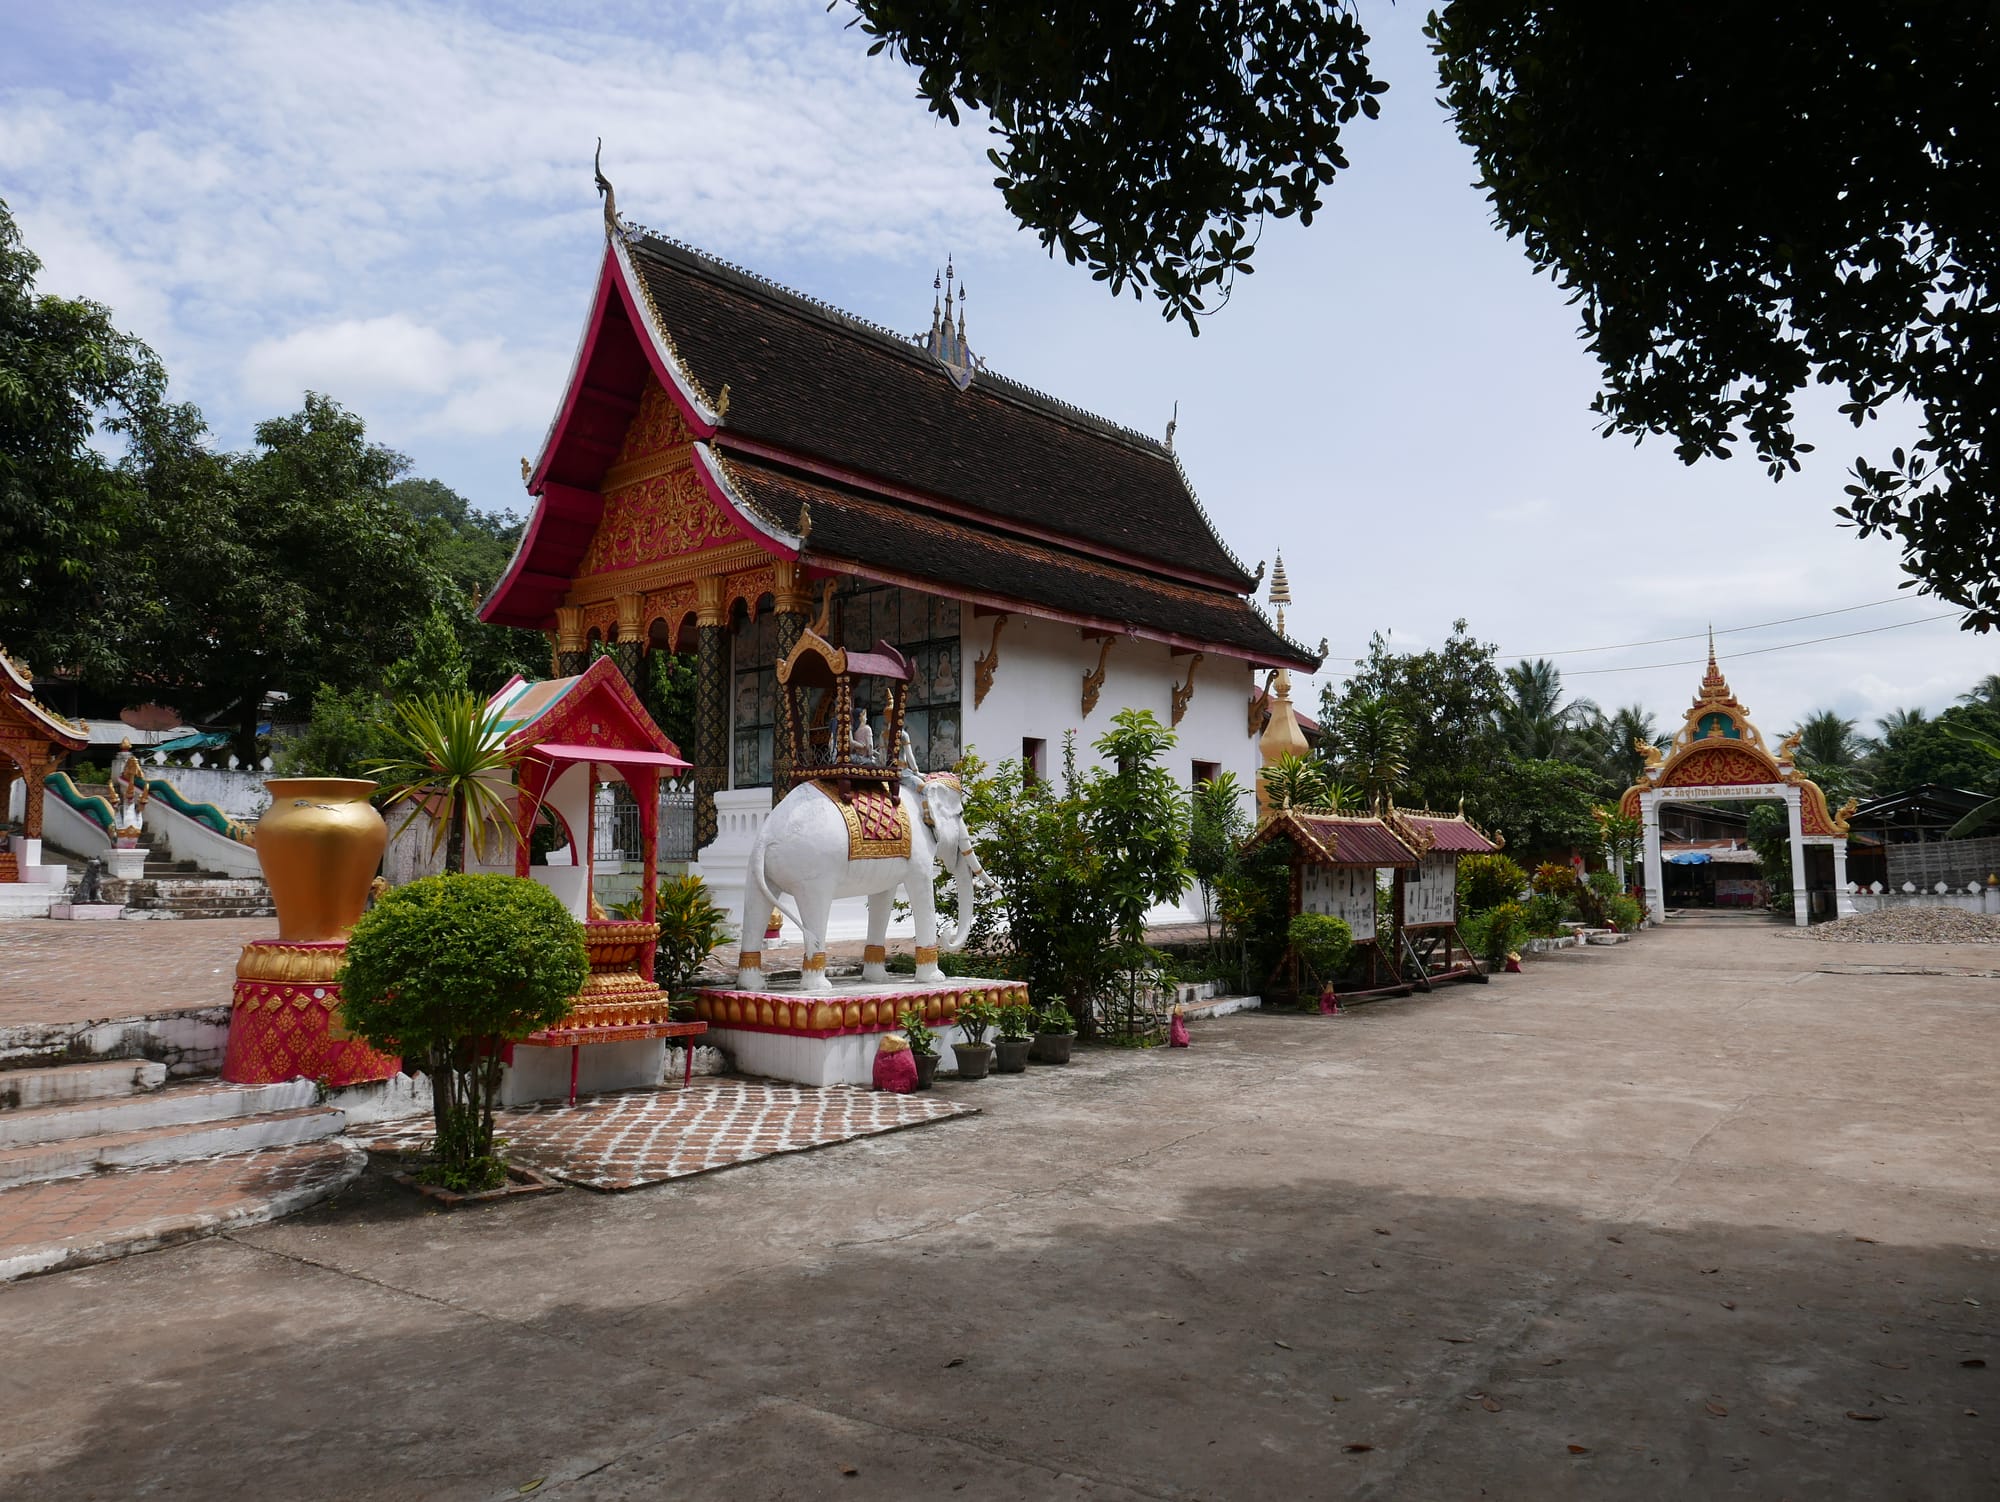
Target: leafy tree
{"x":1136,"y":819}
{"x":471,"y":550}
{"x":446,"y":749}
{"x":1149,"y":142}
{"x":1915,"y":751}
{"x":1217,"y":827}
{"x":1374,"y":737}
{"x":436,"y":663}
{"x":1543,"y":807}
{"x":1769,"y":833}
{"x":667,"y":691}
{"x":1818,"y":205}
{"x":1854,"y":246}
{"x":347,"y":735}
{"x":301,"y":570}
{"x":1446,"y":699}
{"x":76,"y":589}
{"x":446,"y":970}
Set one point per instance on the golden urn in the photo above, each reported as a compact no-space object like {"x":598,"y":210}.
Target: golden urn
{"x":319,"y":844}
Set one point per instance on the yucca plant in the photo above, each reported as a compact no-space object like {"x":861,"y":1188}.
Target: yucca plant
{"x":446,"y":747}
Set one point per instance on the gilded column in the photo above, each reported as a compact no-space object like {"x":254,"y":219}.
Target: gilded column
{"x":572,"y":650}
{"x":711,"y":706}
{"x":792,"y":597}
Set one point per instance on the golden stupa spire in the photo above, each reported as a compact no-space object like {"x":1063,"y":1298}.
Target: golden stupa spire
{"x":1282,"y":735}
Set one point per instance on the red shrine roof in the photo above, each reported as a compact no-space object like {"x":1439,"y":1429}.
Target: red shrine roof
{"x":22,"y":712}
{"x":1337,"y":839}
{"x":594,"y":711}
{"x":1442,"y":834}
{"x":994,"y":492}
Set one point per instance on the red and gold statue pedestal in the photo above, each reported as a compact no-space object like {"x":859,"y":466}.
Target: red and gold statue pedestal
{"x":620,"y":1015}
{"x":319,"y":845}
{"x":284,"y":1019}
{"x":830,"y":1037}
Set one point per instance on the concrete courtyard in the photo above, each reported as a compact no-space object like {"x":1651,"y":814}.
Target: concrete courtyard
{"x":1710,"y":1214}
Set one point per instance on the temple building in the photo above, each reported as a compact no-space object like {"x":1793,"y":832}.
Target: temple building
{"x":731,"y":459}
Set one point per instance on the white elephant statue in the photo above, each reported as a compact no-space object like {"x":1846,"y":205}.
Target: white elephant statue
{"x":801,"y":863}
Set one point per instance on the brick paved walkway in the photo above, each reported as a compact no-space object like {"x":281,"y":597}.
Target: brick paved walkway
{"x":65,"y":973}
{"x":93,"y":1218}
{"x":640,"y":1137}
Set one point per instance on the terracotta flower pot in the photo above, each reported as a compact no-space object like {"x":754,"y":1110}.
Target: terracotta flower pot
{"x":974,"y":1059}
{"x":319,"y":844}
{"x":1010,"y":1055}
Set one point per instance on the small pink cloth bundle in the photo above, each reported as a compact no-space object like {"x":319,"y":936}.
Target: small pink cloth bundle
{"x":1177,"y":1033}
{"x":895,"y":1067}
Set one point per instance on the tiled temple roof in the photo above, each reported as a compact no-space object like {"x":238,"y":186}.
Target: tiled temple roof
{"x":881,"y":535}
{"x":1338,"y":839}
{"x":812,"y":381}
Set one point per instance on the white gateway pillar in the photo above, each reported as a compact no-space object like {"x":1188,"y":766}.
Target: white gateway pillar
{"x":1800,"y":915}
{"x":1656,"y":893}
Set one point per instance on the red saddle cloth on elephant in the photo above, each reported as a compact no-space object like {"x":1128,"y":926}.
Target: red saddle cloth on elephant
{"x":878,"y":826}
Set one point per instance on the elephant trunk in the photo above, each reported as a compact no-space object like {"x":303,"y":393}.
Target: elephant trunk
{"x":964,"y":882}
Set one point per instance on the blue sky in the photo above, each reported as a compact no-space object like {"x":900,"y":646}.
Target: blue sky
{"x":392,"y":203}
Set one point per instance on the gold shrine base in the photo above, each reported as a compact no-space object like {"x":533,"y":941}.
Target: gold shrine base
{"x":850,"y":1007}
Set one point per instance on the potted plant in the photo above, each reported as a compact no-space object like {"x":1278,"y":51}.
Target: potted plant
{"x":692,"y":928}
{"x":923,"y":1044}
{"x":976,"y":1016}
{"x":444,"y":971}
{"x":1016,"y":1038}
{"x":1055,"y":1032}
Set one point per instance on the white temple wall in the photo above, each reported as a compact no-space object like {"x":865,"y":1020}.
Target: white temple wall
{"x":1038,"y":692}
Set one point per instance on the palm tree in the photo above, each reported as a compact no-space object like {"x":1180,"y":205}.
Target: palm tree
{"x":1538,"y":725}
{"x":1830,"y":753}
{"x":1301,"y":782}
{"x":1986,"y":692}
{"x":1375,"y":739}
{"x":447,"y":748}
{"x":1621,"y":759}
{"x":1897,"y":721}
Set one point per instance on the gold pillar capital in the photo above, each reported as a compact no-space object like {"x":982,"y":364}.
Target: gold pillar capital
{"x":631,"y":617}
{"x":569,"y":628}
{"x":708,"y":610}
{"x":791,"y":592}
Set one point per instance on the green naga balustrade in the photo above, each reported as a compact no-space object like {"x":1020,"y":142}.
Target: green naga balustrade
{"x":92,"y":807}
{"x":100,"y":812}
{"x":201,"y":813}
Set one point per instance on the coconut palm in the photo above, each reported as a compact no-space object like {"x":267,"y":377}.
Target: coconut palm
{"x":1986,"y":692}
{"x":1830,"y":753}
{"x":1536,"y":722}
{"x":447,"y":749}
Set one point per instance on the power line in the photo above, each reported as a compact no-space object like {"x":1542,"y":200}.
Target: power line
{"x":1697,"y":635}
{"x":1690,"y":662}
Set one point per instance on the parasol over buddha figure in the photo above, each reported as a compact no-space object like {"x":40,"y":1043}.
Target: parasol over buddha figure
{"x":855,"y":828}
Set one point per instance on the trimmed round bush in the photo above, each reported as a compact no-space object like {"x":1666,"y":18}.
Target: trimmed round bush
{"x":1322,"y":942}
{"x":445,"y":971}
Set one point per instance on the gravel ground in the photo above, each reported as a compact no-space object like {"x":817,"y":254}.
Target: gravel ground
{"x":1911,"y":925}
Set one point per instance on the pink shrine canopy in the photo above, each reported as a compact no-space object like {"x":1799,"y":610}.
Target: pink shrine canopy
{"x":593,"y":721}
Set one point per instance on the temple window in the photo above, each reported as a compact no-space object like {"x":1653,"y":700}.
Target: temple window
{"x":754,"y":705}
{"x":924,"y":629}
{"x":1034,"y":759}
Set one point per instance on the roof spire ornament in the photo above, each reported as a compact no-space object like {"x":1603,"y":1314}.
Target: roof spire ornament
{"x":946,"y":341}
{"x":1172,"y":423}
{"x":612,"y":228}
{"x":1281,"y":591}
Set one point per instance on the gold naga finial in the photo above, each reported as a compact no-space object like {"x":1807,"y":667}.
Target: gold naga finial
{"x":722,"y":402}
{"x":605,"y":192}
{"x":527,"y":470}
{"x":805,"y":519}
{"x":1172,"y":423}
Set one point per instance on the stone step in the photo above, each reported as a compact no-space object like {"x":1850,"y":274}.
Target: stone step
{"x":181,"y":1105}
{"x":198,"y":915}
{"x":40,"y":1162}
{"x":68,"y":1084}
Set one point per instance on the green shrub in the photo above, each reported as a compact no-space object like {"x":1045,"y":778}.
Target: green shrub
{"x":976,"y":1018}
{"x":1322,"y":943}
{"x":1595,"y":896}
{"x":920,"y":1038}
{"x":1486,"y":881}
{"x":1553,"y":878}
{"x":445,"y":971}
{"x":1544,"y":913}
{"x":1625,"y":912}
{"x":1506,"y":929}
{"x":691,"y":929}
{"x":1054,"y":1018}
{"x":1017,"y":1020}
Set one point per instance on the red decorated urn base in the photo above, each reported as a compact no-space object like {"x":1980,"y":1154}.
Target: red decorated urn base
{"x":284,"y":1021}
